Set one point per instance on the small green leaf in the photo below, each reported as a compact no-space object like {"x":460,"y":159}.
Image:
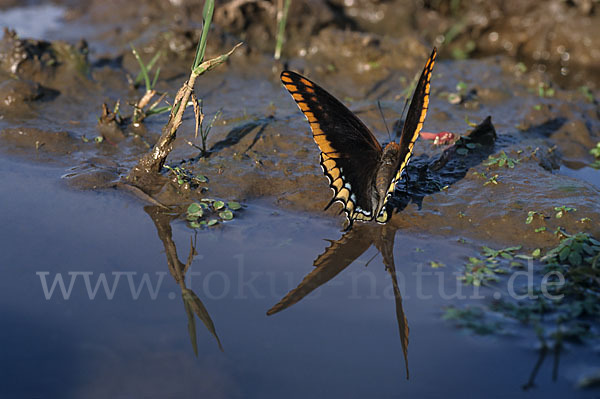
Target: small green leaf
{"x":536,"y":252}
{"x":212,"y":222}
{"x":226,"y":215}
{"x":516,"y":264}
{"x":195,"y":225}
{"x":234,"y":206}
{"x":575,"y":258}
{"x":218,"y":205}
{"x":453,"y":98}
{"x":540,"y":229}
{"x":202,"y":179}
{"x":589,"y":250}
{"x":194,"y":207}
{"x":564,"y":253}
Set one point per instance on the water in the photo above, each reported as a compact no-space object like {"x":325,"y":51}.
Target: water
{"x":584,"y":173}
{"x":35,"y":21}
{"x":342,"y":340}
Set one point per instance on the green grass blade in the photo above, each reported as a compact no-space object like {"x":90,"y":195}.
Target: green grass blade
{"x":149,"y":67}
{"x":207,"y":14}
{"x":281,"y":29}
{"x":155,"y":78}
{"x":143,"y":69}
{"x":159,"y":110}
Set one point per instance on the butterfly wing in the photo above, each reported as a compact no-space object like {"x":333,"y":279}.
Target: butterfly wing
{"x":350,"y":154}
{"x":412,"y":125}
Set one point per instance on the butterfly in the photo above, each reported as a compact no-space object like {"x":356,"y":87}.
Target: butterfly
{"x":362,"y":174}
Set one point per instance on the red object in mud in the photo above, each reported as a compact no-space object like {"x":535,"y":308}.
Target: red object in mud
{"x":439,"y":138}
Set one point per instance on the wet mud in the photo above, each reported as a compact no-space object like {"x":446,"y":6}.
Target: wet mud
{"x":262,"y":148}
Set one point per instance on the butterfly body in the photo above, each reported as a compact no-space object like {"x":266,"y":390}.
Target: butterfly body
{"x":362,"y":174}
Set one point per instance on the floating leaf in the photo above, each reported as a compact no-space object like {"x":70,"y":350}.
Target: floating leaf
{"x":234,"y":206}
{"x":530,"y":217}
{"x":212,"y":222}
{"x":194,"y":208}
{"x":536,"y":252}
{"x":454,"y":98}
{"x":218,"y":205}
{"x":226,"y":215}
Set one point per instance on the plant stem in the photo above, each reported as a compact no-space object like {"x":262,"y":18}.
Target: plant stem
{"x":283,"y":7}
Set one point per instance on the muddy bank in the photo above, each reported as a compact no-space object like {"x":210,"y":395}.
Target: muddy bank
{"x":261,"y":146}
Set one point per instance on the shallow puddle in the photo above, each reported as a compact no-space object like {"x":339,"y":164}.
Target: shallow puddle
{"x":36,"y":21}
{"x":342,"y":339}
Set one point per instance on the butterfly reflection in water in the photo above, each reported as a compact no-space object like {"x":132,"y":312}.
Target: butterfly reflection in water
{"x":362,"y":174}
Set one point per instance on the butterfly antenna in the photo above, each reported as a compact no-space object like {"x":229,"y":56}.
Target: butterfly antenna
{"x":384,"y":122}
